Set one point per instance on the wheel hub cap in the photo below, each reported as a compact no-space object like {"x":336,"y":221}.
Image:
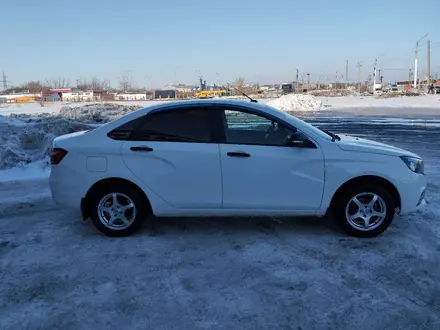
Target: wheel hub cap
{"x":365,"y":211}
{"x":116,"y":211}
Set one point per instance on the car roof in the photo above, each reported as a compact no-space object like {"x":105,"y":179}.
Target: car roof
{"x":175,"y":105}
{"x":220,"y":101}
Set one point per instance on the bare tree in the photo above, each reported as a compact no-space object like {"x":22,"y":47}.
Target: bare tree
{"x":125,"y":81}
{"x":97,"y":84}
{"x":58,"y":82}
{"x":34,"y":86}
{"x":93,"y":84}
{"x":239,"y":82}
{"x":82,"y":84}
{"x":31,"y":86}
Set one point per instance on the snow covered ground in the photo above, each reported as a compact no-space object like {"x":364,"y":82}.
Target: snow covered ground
{"x":58,"y":272}
{"x":344,"y":102}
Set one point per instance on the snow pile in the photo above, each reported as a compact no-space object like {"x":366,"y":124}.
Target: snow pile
{"x":26,"y":138}
{"x":333,"y":92}
{"x":23,"y":142}
{"x":410,"y":92}
{"x":98,"y":113}
{"x":296,"y":102}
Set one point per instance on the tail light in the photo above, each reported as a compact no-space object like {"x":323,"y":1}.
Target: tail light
{"x":57,"y":155}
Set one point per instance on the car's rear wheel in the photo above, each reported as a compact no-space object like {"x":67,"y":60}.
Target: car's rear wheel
{"x":118,"y":210}
{"x":366,"y":210}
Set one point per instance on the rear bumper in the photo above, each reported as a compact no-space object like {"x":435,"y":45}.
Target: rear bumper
{"x":84,"y":209}
{"x":66,"y":189}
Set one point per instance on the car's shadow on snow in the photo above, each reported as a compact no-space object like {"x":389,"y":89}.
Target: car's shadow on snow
{"x":297,"y":233}
{"x":168,"y":226}
{"x":194,"y":231}
{"x":156,"y":226}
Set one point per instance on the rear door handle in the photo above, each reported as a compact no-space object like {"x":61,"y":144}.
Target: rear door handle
{"x":142,"y":148}
{"x":238,"y":154}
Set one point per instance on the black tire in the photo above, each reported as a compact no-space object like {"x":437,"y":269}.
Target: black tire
{"x":141,"y":208}
{"x":344,"y":198}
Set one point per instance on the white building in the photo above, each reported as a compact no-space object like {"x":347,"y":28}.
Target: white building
{"x":181,"y":88}
{"x":131,"y":97}
{"x":78,"y":96}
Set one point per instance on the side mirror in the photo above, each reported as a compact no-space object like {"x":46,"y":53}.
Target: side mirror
{"x":300,"y":143}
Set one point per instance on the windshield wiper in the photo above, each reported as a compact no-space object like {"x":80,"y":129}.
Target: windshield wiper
{"x":335,"y":137}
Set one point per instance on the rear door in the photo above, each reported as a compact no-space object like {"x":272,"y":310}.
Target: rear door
{"x":173,"y":154}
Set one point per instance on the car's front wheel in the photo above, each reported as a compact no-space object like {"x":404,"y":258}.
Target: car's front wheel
{"x":364,"y":210}
{"x":118,"y":210}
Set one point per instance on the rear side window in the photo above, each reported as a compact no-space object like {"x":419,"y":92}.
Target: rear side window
{"x":125,"y":131}
{"x":180,"y":125}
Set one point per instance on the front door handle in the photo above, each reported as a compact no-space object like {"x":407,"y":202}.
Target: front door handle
{"x":238,"y":154}
{"x":142,"y":148}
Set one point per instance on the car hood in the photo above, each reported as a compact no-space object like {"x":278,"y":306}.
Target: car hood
{"x":352,"y":143}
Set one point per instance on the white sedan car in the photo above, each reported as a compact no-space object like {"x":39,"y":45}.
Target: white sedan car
{"x":230,"y":158}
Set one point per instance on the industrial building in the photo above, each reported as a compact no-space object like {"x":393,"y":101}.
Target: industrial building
{"x":18,"y":97}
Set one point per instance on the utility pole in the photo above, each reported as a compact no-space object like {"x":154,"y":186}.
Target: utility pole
{"x":429,"y":62}
{"x":359,"y":76}
{"x":346,"y":75}
{"x":296,"y":81}
{"x":5,"y":81}
{"x":308,"y":81}
{"x":302,"y":82}
{"x":374,"y":71}
{"x":416,"y":60}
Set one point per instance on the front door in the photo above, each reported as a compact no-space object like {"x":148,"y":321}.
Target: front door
{"x":261,"y":172}
{"x":173,"y":155}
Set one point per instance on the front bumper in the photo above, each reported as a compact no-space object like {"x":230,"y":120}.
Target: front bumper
{"x":412,"y":189}
{"x":422,"y":199}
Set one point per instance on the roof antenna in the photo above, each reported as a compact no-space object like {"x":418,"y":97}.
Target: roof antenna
{"x":250,"y":98}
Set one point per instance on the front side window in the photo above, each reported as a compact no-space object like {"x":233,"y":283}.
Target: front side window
{"x":249,"y":128}
{"x":180,"y":125}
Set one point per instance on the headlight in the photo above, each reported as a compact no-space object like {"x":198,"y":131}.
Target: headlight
{"x":414,"y":164}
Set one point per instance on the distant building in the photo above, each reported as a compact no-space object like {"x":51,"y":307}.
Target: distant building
{"x":19,"y":97}
{"x":131,"y":96}
{"x":77,"y":96}
{"x":181,"y":88}
{"x":101,"y":95}
{"x":164,"y":94}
